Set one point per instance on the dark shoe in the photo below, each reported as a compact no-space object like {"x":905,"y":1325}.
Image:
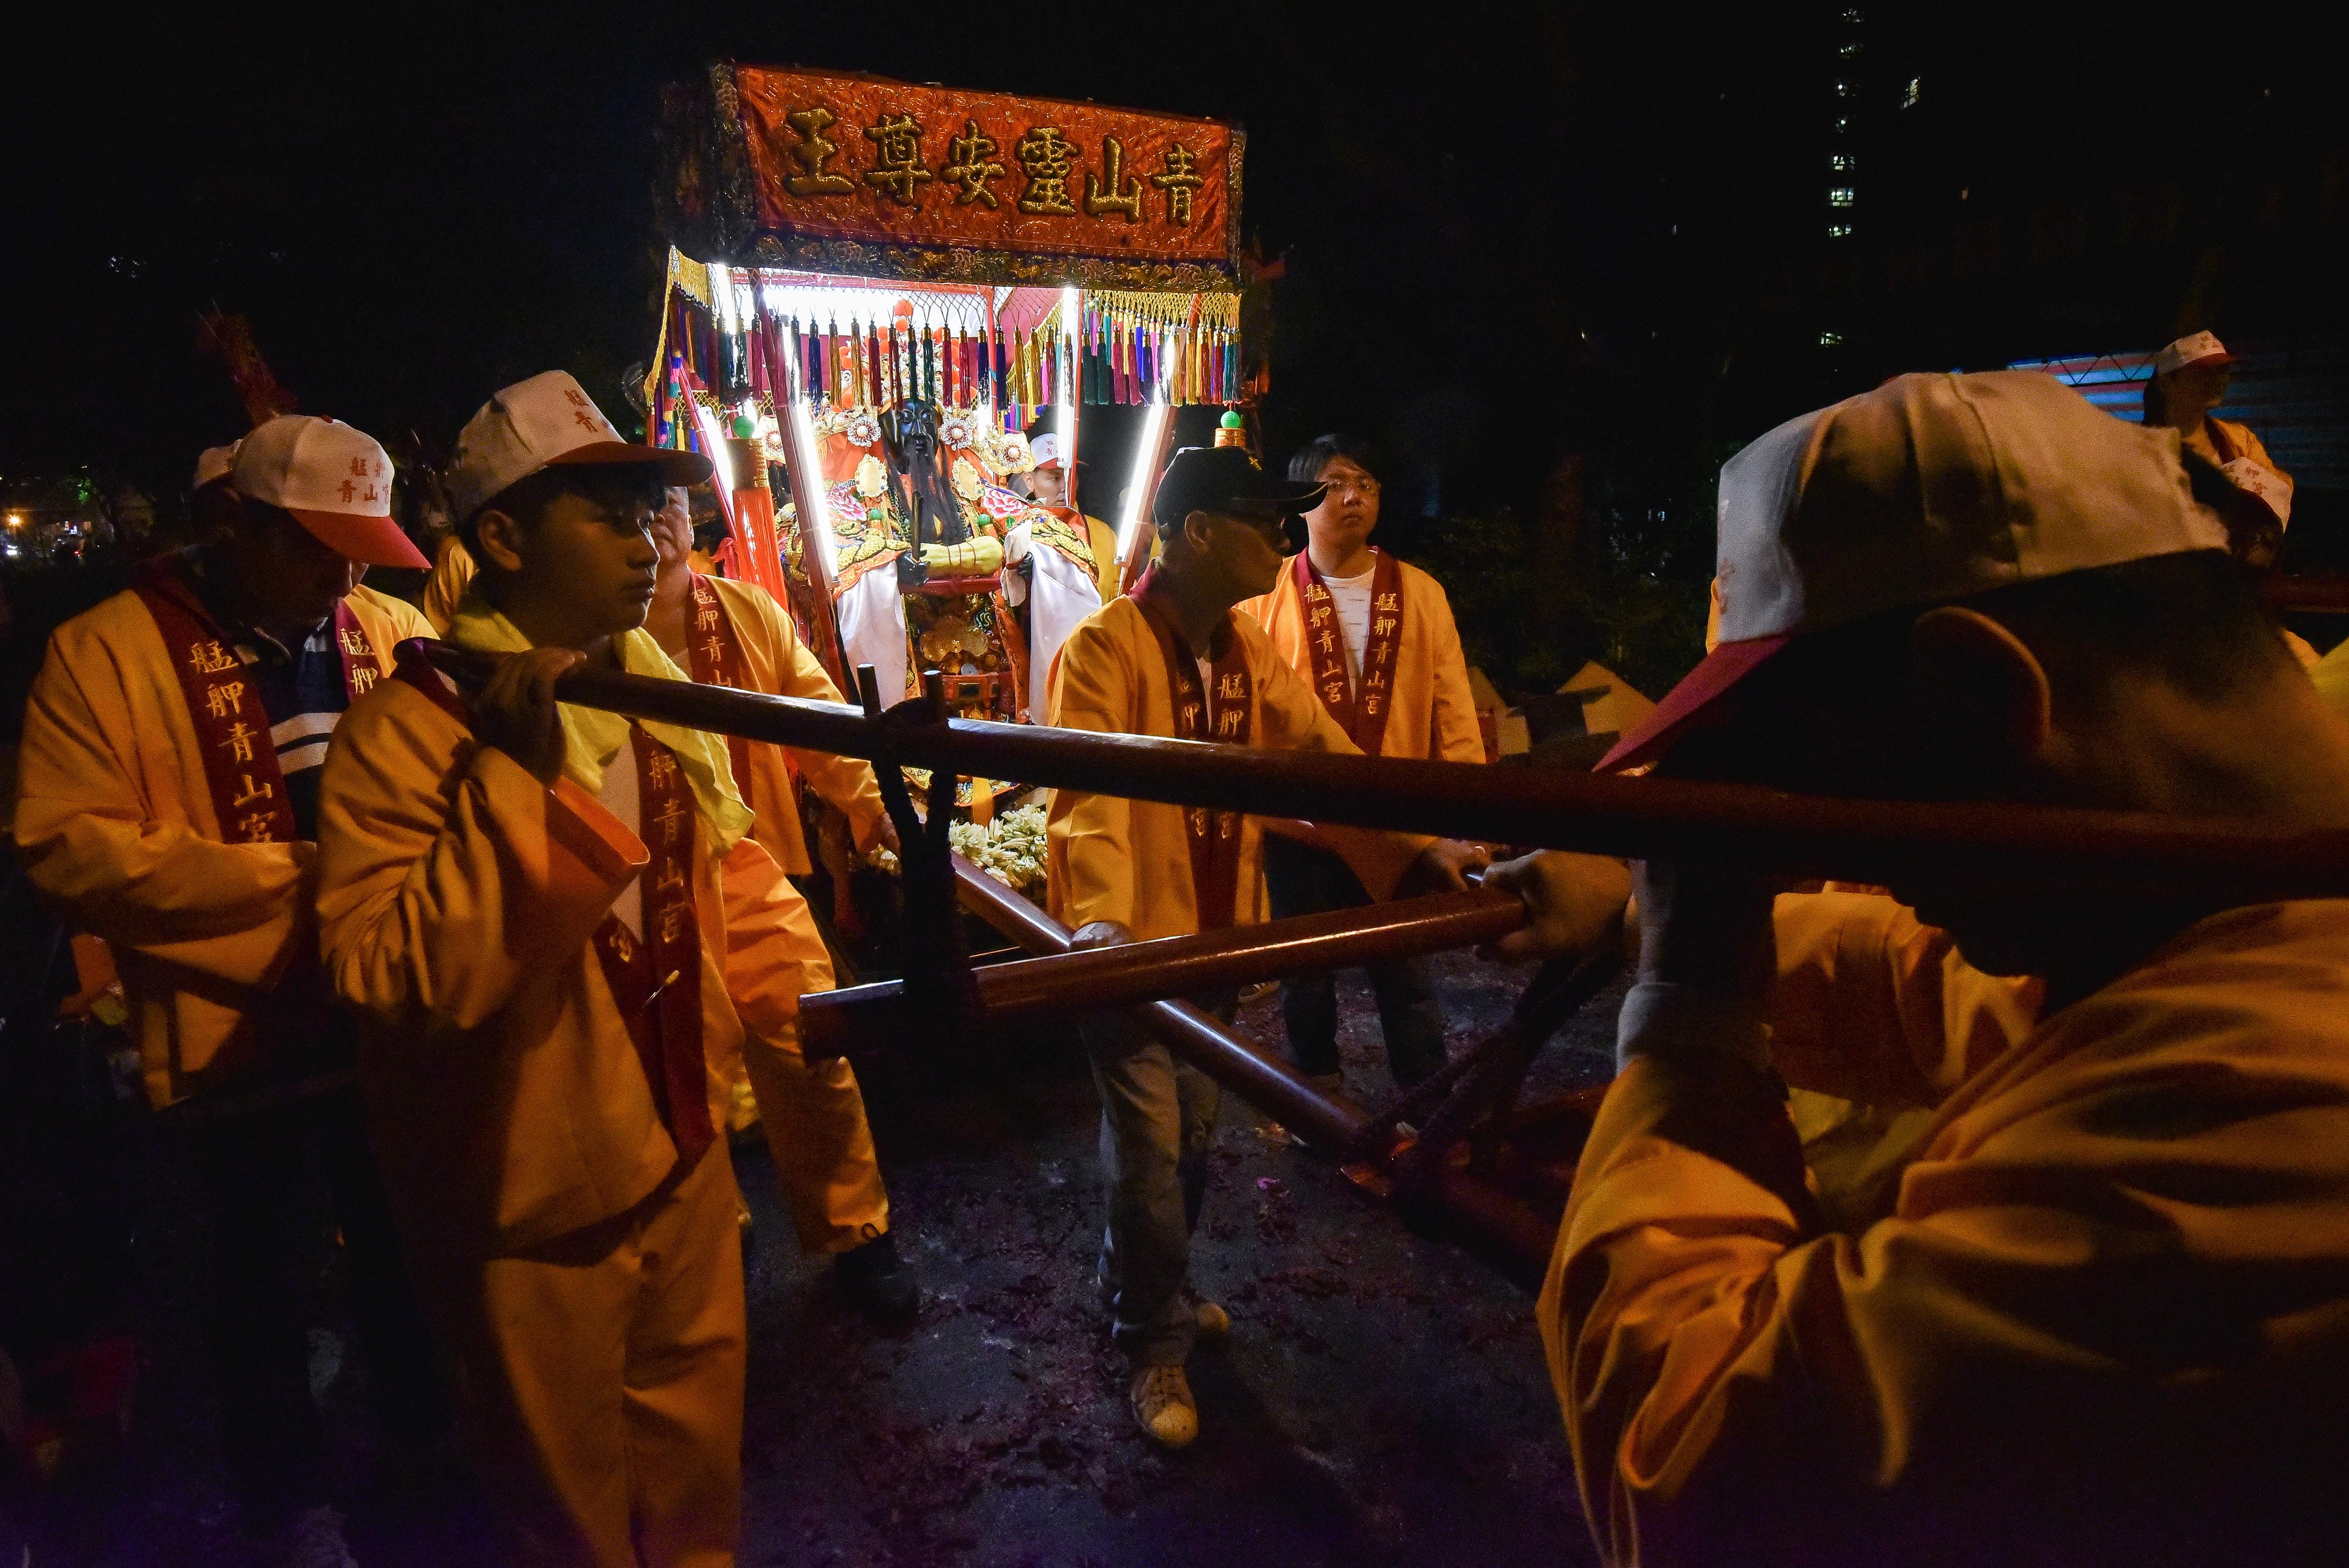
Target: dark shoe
{"x":878,"y":1281}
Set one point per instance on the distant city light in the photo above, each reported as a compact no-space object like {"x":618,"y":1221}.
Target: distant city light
{"x":1909,"y":98}
{"x":1838,"y":230}
{"x":1841,"y":196}
{"x":1830,"y":339}
{"x":1843,"y":162}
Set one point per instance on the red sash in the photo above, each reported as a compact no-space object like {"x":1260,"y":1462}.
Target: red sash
{"x":1362,"y":714}
{"x":713,"y":653}
{"x":1215,"y":836}
{"x":655,"y":981}
{"x":240,"y":759}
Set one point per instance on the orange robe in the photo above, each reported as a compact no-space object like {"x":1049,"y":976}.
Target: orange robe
{"x":813,"y":1116}
{"x":1432,"y":712}
{"x":587,"y":1281}
{"x":1108,"y":858}
{"x":116,"y":827}
{"x":452,"y":569}
{"x":782,"y":665}
{"x":2106,"y":1313}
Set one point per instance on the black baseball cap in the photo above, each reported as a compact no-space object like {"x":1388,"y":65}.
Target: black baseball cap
{"x":1225,"y":480}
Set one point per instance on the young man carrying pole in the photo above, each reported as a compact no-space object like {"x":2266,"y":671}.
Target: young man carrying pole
{"x":2106,"y":1319}
{"x":170,"y":805}
{"x":1173,"y":660}
{"x":550,"y":919}
{"x":725,"y":633}
{"x":1374,"y":638}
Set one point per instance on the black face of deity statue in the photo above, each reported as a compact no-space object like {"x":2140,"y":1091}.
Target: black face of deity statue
{"x":909,"y":432}
{"x":909,"y":435}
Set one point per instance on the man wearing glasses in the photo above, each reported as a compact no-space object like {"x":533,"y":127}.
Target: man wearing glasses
{"x":1375,"y":639}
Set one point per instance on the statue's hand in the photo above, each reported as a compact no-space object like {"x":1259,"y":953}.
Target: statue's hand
{"x":978,"y":557}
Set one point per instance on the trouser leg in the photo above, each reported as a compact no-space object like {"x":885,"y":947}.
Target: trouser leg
{"x":407,"y":1384}
{"x":1302,"y":879}
{"x":683,"y":1377}
{"x":540,"y":1344}
{"x":813,"y":1119}
{"x":1297,"y":882}
{"x":268,"y":1242}
{"x":1158,"y":1125}
{"x":1409,"y":1016}
{"x":1146,"y":1242}
{"x":600,"y":1382}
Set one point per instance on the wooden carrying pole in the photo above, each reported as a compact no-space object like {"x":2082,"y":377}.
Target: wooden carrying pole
{"x":1180,"y":966}
{"x":1854,"y":841}
{"x":1513,"y":1232}
{"x":1274,"y":1087}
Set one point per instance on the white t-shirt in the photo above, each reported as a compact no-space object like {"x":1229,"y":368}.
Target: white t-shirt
{"x":1353,"y":597}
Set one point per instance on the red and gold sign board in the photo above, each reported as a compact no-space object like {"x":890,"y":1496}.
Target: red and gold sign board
{"x":845,"y":173}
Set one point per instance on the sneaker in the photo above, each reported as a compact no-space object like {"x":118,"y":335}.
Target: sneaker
{"x":878,"y":1281}
{"x":1163,"y":1404}
{"x":311,"y":1539}
{"x":1213,"y":1322}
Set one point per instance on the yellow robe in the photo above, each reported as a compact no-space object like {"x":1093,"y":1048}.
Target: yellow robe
{"x":1108,"y":858}
{"x":777,"y":662}
{"x":814,"y":1118}
{"x":1432,"y":712}
{"x":452,"y":569}
{"x":2114,"y":1292}
{"x":115,"y":826}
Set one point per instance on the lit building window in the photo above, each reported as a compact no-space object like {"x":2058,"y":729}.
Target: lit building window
{"x":1843,"y":162}
{"x":1830,"y":339}
{"x":1909,"y":98}
{"x":1840,"y":197}
{"x":1843,"y":89}
{"x":1848,"y":51}
{"x":1838,"y":230}
{"x":1842,"y":126}
{"x":1852,"y":17}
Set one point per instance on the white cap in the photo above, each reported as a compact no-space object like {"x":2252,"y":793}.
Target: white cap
{"x":545,"y":420}
{"x":214,"y":463}
{"x":336,"y":481}
{"x":1929,"y":489}
{"x":1045,"y":452}
{"x":2201,"y":348}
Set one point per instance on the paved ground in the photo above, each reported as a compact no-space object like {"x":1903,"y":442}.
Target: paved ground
{"x":1382,"y":1398}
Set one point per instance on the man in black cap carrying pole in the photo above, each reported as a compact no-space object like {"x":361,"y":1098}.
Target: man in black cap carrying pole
{"x":1173,"y":660}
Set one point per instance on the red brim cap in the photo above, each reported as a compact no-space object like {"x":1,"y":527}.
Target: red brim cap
{"x":369,"y":540}
{"x":679,"y":468}
{"x":1722,"y":668}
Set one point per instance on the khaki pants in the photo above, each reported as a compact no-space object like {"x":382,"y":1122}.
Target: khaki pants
{"x":600,"y":1382}
{"x":814,"y":1122}
{"x":1158,"y":1118}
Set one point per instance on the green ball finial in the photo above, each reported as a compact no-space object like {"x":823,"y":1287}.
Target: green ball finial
{"x":743,"y":428}
{"x":1234,"y":420}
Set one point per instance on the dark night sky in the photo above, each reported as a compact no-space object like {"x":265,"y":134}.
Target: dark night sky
{"x":1511,"y":235}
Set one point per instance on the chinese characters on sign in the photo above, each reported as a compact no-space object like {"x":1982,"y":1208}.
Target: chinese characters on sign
{"x":857,"y":157}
